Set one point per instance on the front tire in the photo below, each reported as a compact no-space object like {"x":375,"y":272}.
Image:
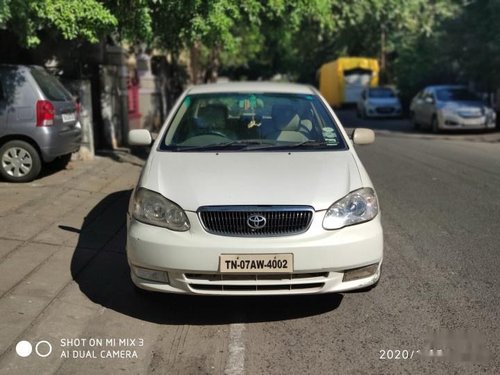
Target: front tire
{"x":414,"y":122}
{"x":19,"y":161}
{"x":434,"y":125}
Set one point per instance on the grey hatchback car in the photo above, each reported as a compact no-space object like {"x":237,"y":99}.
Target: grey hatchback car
{"x":38,"y":122}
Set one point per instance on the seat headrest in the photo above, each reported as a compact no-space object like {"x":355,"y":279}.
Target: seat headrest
{"x":213,"y":116}
{"x":285,"y":117}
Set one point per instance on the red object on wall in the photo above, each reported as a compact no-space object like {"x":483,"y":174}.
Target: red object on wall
{"x":133,"y":98}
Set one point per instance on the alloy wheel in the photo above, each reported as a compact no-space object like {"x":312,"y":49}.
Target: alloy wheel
{"x":17,"y":162}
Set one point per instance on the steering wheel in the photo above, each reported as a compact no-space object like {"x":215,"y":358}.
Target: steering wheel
{"x":213,"y":132}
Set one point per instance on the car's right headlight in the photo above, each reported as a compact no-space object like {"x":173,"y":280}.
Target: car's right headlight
{"x":356,"y":207}
{"x":153,"y":208}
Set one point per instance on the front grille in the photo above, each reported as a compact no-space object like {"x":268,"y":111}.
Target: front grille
{"x":385,"y":109}
{"x":256,"y":221}
{"x":305,"y":282}
{"x":470,"y":114}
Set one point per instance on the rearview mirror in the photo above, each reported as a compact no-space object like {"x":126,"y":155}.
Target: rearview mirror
{"x":139,"y":137}
{"x":363,"y":136}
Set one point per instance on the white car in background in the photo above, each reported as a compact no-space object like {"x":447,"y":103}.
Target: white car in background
{"x":450,"y":107}
{"x":253,"y":189}
{"x":379,"y":102}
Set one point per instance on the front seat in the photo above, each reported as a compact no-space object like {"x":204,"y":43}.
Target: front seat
{"x":286,"y":124}
{"x":212,"y":117}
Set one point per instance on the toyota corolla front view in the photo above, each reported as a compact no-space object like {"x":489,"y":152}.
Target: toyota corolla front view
{"x":253,"y":189}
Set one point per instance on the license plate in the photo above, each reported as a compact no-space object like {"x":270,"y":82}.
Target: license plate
{"x":385,"y":109}
{"x":256,"y":263}
{"x":68,"y":117}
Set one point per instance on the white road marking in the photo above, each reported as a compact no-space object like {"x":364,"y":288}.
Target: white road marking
{"x":236,"y":362}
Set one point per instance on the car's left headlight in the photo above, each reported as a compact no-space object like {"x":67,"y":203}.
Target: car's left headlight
{"x":153,"y":208}
{"x":356,"y":207}
{"x":449,"y":112}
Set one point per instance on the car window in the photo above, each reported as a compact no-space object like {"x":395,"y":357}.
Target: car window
{"x":427,"y":93}
{"x":381,"y":93}
{"x":13,"y":88}
{"x":455,"y":94}
{"x":50,"y":86}
{"x":252,"y":121}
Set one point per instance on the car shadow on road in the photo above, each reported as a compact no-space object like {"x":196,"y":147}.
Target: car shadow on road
{"x":99,"y":266}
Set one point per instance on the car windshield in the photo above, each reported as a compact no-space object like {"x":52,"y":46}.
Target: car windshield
{"x":252,"y":121}
{"x":381,"y":93}
{"x":458,"y":94}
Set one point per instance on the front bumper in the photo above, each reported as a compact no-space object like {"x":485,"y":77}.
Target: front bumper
{"x":383,"y":111}
{"x":191,"y":259}
{"x":450,"y":121}
{"x":54,"y":142}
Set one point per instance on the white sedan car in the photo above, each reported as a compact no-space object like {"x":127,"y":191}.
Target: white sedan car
{"x":378,"y":102}
{"x":450,"y":107}
{"x":253,"y":189}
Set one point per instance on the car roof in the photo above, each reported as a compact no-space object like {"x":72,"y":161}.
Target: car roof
{"x":252,"y":86}
{"x":20,"y":67}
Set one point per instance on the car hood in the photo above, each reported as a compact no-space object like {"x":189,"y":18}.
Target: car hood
{"x":192,"y":180}
{"x":458,"y":105}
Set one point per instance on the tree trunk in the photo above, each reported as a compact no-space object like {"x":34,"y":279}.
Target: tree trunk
{"x":383,"y":56}
{"x":212,"y":72}
{"x":194,"y":63}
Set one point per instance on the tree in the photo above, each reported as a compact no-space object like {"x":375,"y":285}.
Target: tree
{"x":473,"y":43}
{"x":71,"y":19}
{"x":226,"y":32}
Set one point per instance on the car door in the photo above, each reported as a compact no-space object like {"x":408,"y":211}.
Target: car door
{"x":3,"y":110}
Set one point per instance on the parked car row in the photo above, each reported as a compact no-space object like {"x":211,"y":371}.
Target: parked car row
{"x":38,"y":122}
{"x":437,"y":108}
{"x":39,"y":118}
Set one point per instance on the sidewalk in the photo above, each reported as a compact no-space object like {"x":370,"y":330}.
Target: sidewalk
{"x":51,"y":230}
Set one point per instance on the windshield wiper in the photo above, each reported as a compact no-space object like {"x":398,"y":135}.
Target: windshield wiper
{"x":222,"y":145}
{"x":251,"y":145}
{"x":310,"y":142}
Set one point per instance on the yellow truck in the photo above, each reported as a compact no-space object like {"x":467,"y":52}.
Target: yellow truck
{"x":342,"y":81}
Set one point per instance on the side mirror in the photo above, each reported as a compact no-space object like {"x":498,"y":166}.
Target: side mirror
{"x":429,"y":99}
{"x":363,"y":136}
{"x":139,"y":137}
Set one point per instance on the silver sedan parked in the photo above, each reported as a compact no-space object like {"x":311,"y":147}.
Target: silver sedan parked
{"x":450,"y":107}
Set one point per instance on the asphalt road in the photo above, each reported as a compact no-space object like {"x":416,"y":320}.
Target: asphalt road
{"x":437,"y":301}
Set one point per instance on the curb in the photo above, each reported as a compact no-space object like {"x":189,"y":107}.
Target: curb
{"x":486,"y":138}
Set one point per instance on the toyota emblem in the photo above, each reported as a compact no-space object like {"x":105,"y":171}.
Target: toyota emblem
{"x":256,"y":221}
